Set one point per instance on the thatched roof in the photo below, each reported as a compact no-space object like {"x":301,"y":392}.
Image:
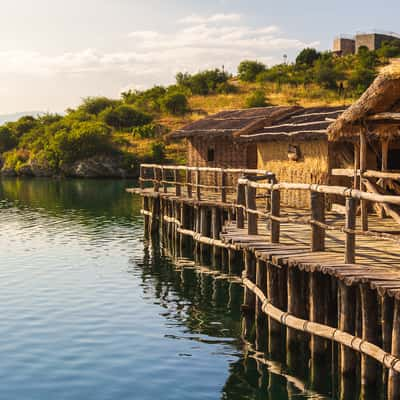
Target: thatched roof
{"x":377,"y":111}
{"x":227,"y":123}
{"x":302,"y":124}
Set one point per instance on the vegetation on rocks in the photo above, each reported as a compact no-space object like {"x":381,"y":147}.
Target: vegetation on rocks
{"x":110,"y":137}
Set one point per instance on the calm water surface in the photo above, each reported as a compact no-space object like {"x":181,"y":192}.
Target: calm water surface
{"x":90,"y":311}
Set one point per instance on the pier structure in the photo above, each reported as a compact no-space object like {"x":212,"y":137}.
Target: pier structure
{"x":316,"y":277}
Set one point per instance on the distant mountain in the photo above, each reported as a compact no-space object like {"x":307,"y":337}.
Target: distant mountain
{"x":13,"y":117}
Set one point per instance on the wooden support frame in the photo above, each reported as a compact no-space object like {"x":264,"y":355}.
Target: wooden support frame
{"x":350,"y":241}
{"x":363,"y":168}
{"x":275,"y":212}
{"x":241,"y":202}
{"x":251,"y":205}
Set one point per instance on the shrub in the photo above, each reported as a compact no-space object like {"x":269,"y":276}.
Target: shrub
{"x":146,"y":131}
{"x":202,"y":83}
{"x":226,"y":88}
{"x":257,"y":99}
{"x":124,"y":117}
{"x":7,"y":139}
{"x":248,"y":70}
{"x":175,"y":103}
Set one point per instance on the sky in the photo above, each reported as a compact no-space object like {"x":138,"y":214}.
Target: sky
{"x":53,"y":53}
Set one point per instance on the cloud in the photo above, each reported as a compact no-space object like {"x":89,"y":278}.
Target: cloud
{"x":216,"y":18}
{"x":149,"y":57}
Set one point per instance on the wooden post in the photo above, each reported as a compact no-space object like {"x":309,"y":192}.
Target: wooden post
{"x":384,"y":167}
{"x":189,"y":183}
{"x":356,"y":182}
{"x":275,"y":212}
{"x":156,"y":178}
{"x":241,"y":202}
{"x":296,"y":304}
{"x":387,"y":309}
{"x":146,"y":208}
{"x":141,"y":177}
{"x":317,"y":214}
{"x":251,"y":205}
{"x":164,"y":179}
{"x":273,"y":295}
{"x":198,"y":183}
{"x":177,"y":179}
{"x":223,"y":186}
{"x":350,"y":244}
{"x":394,"y":377}
{"x":369,"y":311}
{"x":317,"y":310}
{"x":347,"y":323}
{"x":363,"y":168}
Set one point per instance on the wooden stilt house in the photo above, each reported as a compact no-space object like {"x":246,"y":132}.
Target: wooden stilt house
{"x":371,"y":129}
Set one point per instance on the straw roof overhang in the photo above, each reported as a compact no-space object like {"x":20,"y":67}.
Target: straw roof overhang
{"x":303,"y":124}
{"x":228,"y":123}
{"x":377,"y":112}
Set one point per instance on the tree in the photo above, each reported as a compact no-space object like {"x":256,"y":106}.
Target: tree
{"x":307,"y":57}
{"x":175,"y":103}
{"x":248,"y":70}
{"x":95,"y":105}
{"x":84,"y":140}
{"x":124,"y":117}
{"x":202,"y":83}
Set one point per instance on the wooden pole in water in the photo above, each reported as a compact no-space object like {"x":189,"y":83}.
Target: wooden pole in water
{"x":273,"y":294}
{"x":350,"y":255}
{"x":164,"y":179}
{"x":156,"y":178}
{"x":296,"y":295}
{"x":394,"y":377}
{"x":145,"y":207}
{"x":275,"y":212}
{"x":250,"y":270}
{"x":369,"y":307}
{"x":317,"y":214}
{"x":141,"y":177}
{"x":241,"y":202}
{"x":155,"y":210}
{"x":215,"y":231}
{"x":363,"y":168}
{"x":347,"y":316}
{"x":261,"y":320}
{"x":252,"y":206}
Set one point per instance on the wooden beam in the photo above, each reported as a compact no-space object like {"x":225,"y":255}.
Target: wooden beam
{"x":384,"y":116}
{"x":251,"y":204}
{"x":350,"y":244}
{"x":275,"y":212}
{"x":363,"y":168}
{"x":317,"y":214}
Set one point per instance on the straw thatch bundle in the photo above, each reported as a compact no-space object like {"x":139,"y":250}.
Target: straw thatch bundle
{"x":383,"y":96}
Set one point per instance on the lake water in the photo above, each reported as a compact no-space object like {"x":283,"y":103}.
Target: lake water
{"x":90,"y":311}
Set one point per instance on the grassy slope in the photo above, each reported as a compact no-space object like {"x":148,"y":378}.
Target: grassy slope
{"x":202,"y":105}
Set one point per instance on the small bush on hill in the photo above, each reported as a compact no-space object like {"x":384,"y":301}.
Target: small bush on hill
{"x":307,"y":57}
{"x":257,"y":99}
{"x":124,"y":117}
{"x":175,"y":103}
{"x":202,"y":83}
